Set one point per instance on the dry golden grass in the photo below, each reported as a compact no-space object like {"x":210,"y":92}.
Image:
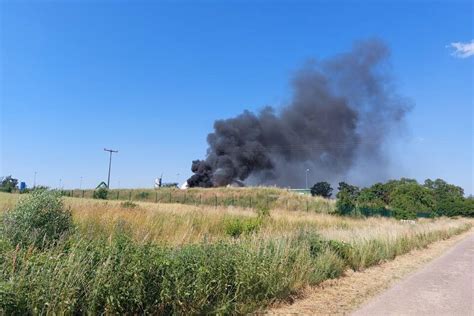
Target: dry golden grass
{"x":255,"y":197}
{"x":343,"y":295}
{"x":162,"y":223}
{"x":7,"y":201}
{"x":180,"y":224}
{"x":175,"y":224}
{"x":281,"y":252}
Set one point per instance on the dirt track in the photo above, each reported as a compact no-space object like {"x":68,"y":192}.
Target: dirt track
{"x":443,"y":287}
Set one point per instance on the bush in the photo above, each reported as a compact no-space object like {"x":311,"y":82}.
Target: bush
{"x":263,"y":211}
{"x":238,"y":226}
{"x":128,"y":204}
{"x":143,"y":195}
{"x":39,"y":219}
{"x":317,"y":245}
{"x":101,"y":193}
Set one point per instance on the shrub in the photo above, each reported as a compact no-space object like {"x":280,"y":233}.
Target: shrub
{"x":317,"y":245}
{"x":263,"y":211}
{"x":143,"y":195}
{"x":238,"y":226}
{"x":128,"y":204}
{"x":39,"y":219}
{"x":101,"y":193}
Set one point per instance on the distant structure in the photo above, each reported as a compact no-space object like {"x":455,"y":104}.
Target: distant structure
{"x":158,"y":182}
{"x":102,"y":185}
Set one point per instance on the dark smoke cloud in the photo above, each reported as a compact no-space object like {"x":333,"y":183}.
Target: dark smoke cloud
{"x":342,"y":111}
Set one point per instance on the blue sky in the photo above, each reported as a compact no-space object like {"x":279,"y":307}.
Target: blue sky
{"x":150,"y":78}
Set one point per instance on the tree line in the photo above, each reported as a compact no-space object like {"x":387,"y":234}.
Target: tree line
{"x":403,"y":198}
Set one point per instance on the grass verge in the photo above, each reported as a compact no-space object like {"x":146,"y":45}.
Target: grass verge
{"x":118,"y":275}
{"x":240,"y":262}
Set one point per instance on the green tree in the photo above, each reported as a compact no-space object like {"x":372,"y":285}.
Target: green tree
{"x":468,"y":207}
{"x":321,"y":189}
{"x":449,"y":199}
{"x":375,"y":196}
{"x":8,"y":184}
{"x":391,"y":185}
{"x":409,"y":198}
{"x":346,"y":198}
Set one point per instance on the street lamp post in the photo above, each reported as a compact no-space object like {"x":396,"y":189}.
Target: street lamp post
{"x":307,"y":170}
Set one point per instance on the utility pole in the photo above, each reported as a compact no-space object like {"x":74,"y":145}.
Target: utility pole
{"x":110,"y":164}
{"x":307,"y":170}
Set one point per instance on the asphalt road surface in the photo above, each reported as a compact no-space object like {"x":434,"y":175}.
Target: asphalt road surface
{"x":443,"y":287}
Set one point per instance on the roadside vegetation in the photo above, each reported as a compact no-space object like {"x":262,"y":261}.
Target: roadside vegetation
{"x":113,"y":257}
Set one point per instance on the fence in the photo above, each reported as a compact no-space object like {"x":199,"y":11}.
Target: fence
{"x":262,"y":201}
{"x":292,"y":202}
{"x":381,"y":211}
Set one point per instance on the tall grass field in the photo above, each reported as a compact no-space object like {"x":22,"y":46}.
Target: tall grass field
{"x":61,"y":255}
{"x":245,"y":197}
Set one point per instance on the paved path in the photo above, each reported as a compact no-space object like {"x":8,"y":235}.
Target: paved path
{"x":443,"y":287}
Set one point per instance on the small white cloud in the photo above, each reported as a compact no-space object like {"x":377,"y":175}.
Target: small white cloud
{"x":462,"y":50}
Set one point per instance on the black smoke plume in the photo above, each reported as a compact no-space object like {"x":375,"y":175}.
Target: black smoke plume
{"x":342,"y":110}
